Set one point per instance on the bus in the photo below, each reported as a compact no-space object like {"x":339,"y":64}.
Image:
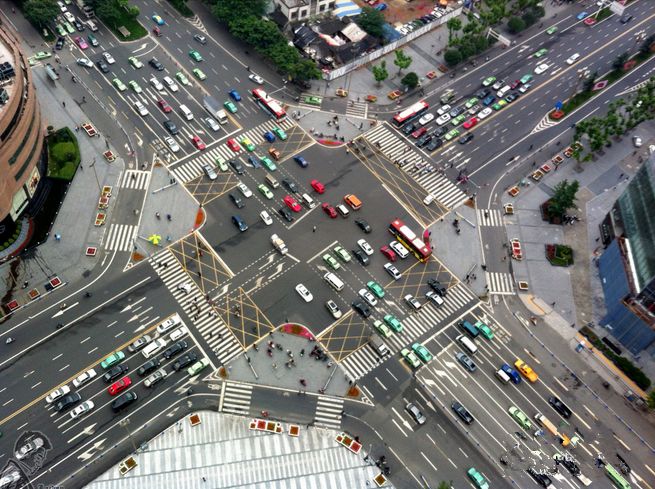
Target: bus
{"x":411,"y":113}
{"x":616,"y":477}
{"x":421,"y":249}
{"x":270,"y":105}
{"x":545,"y":422}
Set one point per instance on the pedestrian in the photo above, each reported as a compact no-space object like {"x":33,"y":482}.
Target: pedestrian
{"x":81,"y":167}
{"x":552,"y":304}
{"x":314,"y":229}
{"x":64,"y":104}
{"x":77,"y":128}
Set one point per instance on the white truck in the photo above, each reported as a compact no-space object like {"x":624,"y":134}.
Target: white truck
{"x":279,"y":244}
{"x":215,"y":108}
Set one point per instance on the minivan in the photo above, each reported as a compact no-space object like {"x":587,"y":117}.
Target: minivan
{"x":271,"y":181}
{"x":502,"y":376}
{"x":153,"y":347}
{"x":92,"y":25}
{"x":311,"y":203}
{"x":379,"y":346}
{"x":469,"y":328}
{"x":467,"y":343}
{"x":186,"y":112}
{"x":353,"y":201}
{"x":334,"y":281}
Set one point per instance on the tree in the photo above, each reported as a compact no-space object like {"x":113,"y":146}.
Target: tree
{"x":304,"y":70}
{"x":620,"y":60}
{"x":452,"y":57}
{"x":402,"y":61}
{"x":589,"y":81}
{"x":646,"y":45}
{"x":529,"y":18}
{"x":453,"y":25}
{"x":410,"y":80}
{"x":563,"y":198}
{"x":109,"y":12}
{"x":650,"y":400}
{"x":229,"y":10}
{"x":516,"y":25}
{"x":40,"y":12}
{"x":380,"y":72}
{"x":371,"y":21}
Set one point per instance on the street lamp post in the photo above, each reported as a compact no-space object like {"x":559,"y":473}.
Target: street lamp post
{"x":125,"y":423}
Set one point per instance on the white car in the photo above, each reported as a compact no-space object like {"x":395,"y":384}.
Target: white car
{"x":178,"y":333}
{"x":392,"y":270}
{"x":212,"y":124}
{"x":498,"y":84}
{"x":366,"y":248}
{"x":10,"y":477}
{"x":170,"y":83}
{"x":210,"y":171}
{"x":63,"y":9}
{"x":82,"y":409}
{"x":501,"y":93}
{"x":572,"y":59}
{"x":108,"y":58}
{"x":141,"y":109}
{"x":243,"y":188}
{"x":84,"y":378}
{"x":425,"y":119}
{"x":636,"y":140}
{"x":304,"y":293}
{"x":69,"y":17}
{"x":412,"y":302}
{"x":28,"y":448}
{"x":443,"y":119}
{"x":256,"y":78}
{"x":400,"y":250}
{"x":266,"y":217}
{"x":541,"y":68}
{"x":368,"y":297}
{"x":86,"y":62}
{"x":484,"y":113}
{"x":172,"y":144}
{"x":157,"y":84}
{"x":334,"y":309}
{"x":444,"y":109}
{"x":57,"y":393}
{"x":525,"y":88}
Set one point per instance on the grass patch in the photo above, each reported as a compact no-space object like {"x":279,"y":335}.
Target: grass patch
{"x":181,"y":7}
{"x":137,"y":31}
{"x":63,"y":154}
{"x":603,"y":14}
{"x":559,"y":255}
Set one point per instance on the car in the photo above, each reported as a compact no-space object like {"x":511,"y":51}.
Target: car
{"x":108,"y":58}
{"x":233,"y":145}
{"x":332,"y":307}
{"x":434,"y":144}
{"x":542,"y":479}
{"x":185,"y":361}
{"x":427,"y":118}
{"x":290,"y":185}
{"x":199,"y":74}
{"x":466,"y":138}
{"x":136,"y":87}
{"x":484,"y":330}
{"x":57,"y":393}
{"x":181,"y":77}
{"x":471,"y":102}
{"x":171,"y":127}
{"x":135,"y":62}
{"x":419,"y":132}
{"x":59,"y":45}
{"x":341,"y":252}
{"x":470,"y":123}
{"x":636,"y":141}
{"x":409,"y":128}
{"x":279,"y":133}
{"x":245,"y":191}
{"x":195,"y":55}
{"x":115,"y":372}
{"x":157,"y":19}
{"x":247,"y":143}
{"x":119,"y":386}
{"x":269,"y":136}
{"x":541,"y":68}
{"x":265,"y":191}
{"x":112,"y":359}
{"x":382,"y":329}
{"x":423,"y":140}
{"x":236,"y":200}
{"x":200,"y":38}
{"x":488,"y":100}
{"x":153,"y":379}
{"x":458,"y":120}
{"x":568,"y":463}
{"x":361,"y":257}
{"x":362,"y":308}
{"x":120,"y":86}
{"x":304,"y":293}
{"x":275,"y":153}
{"x":412,"y":302}
{"x":451,"y":134}
{"x":525,"y":370}
{"x":156,"y":64}
{"x":393,"y":322}
{"x":392,"y":270}
{"x":317,"y":186}
{"x":399,"y":249}
{"x":331,"y":261}
{"x":488,"y":81}
{"x":368,"y":297}
{"x":286,"y":214}
{"x":268,"y":220}
{"x":551,"y":30}
{"x":462,"y":412}
{"x":520,"y":417}
{"x":514,"y":84}
{"x":123,"y":401}
{"x":82,"y":409}
{"x":560,"y":407}
{"x":9,"y":477}
{"x":156,"y":84}
{"x":482,"y":94}
{"x":141,"y":109}
{"x":435,"y":285}
{"x":466,"y":361}
{"x":415,"y":413}
{"x":237,"y":166}
{"x":301,"y":161}
{"x":366,"y":248}
{"x":256,"y":78}
{"x":149,"y":366}
{"x":511,"y":97}
{"x":175,"y":349}
{"x":389,"y":253}
{"x":211,"y":124}
{"x":31,"y":446}
{"x":139,"y":343}
{"x":625,"y":18}
{"x":197,"y":367}
{"x":234,"y":95}
{"x":86,"y":62}
{"x":443,"y":119}
{"x":475,"y":109}
{"x":456,"y":111}
{"x":292,"y":203}
{"x":479,"y":481}
{"x":92,"y":39}
{"x":581,"y":15}
{"x":540,"y":53}
{"x":410,"y":357}
{"x":84,"y":378}
{"x":210,"y":171}
{"x":81,"y":42}
{"x":170,"y":83}
{"x":499,"y":105}
{"x":198,"y":143}
{"x":525,"y":88}
{"x":422,"y":352}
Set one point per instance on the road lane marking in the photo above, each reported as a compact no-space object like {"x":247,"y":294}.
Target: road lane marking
{"x":428,"y":461}
{"x":381,"y":384}
{"x":560,"y":384}
{"x":35,"y":385}
{"x":621,"y":442}
{"x":64,"y":367}
{"x":85,"y":340}
{"x":58,"y":356}
{"x":399,"y":428}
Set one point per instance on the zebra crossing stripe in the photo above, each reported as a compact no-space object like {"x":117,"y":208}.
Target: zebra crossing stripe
{"x":489,"y":217}
{"x":120,"y":237}
{"x":236,"y":398}
{"x":135,"y":179}
{"x":328,"y":412}
{"x":357,"y":109}
{"x":500,"y":283}
{"x":361,"y":362}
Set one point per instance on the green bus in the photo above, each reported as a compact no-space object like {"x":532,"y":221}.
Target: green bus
{"x":616,"y":477}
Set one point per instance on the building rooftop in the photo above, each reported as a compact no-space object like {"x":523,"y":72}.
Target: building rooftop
{"x":6,"y":56}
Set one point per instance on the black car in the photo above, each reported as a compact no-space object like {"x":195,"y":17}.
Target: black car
{"x":290,"y":185}
{"x":149,"y":366}
{"x":626,"y":18}
{"x":409,"y":128}
{"x":456,"y":111}
{"x":363,"y":225}
{"x":570,"y":465}
{"x":462,"y":412}
{"x":184,"y":361}
{"x":171,"y":127}
{"x":68,"y":401}
{"x":466,"y":138}
{"x":361,"y":257}
{"x":123,"y":401}
{"x":115,"y":372}
{"x":102,"y":66}
{"x":437,"y":287}
{"x":239,"y":223}
{"x":542,"y":479}
{"x":236,"y":200}
{"x":60,"y":43}
{"x":434,"y":144}
{"x":560,"y":407}
{"x":423,"y":140}
{"x":440,"y":131}
{"x":484,"y":93}
{"x":78,"y":25}
{"x":286,"y":213}
{"x":156,"y":64}
{"x":362,"y":308}
{"x":176,"y":348}
{"x":512,"y":97}
{"x":237,"y":166}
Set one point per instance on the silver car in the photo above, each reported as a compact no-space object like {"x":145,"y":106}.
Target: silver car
{"x":210,"y":171}
{"x":415,"y":413}
{"x":28,"y":448}
{"x":139,"y":343}
{"x":158,"y":376}
{"x":212,"y":124}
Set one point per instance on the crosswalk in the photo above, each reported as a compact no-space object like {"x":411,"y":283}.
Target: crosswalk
{"x":357,"y":109}
{"x":120,"y":237}
{"x":396,"y":149}
{"x":500,"y":283}
{"x":361,"y":362}
{"x":192,"y":168}
{"x":236,"y":398}
{"x":135,"y":179}
{"x":328,"y":412}
{"x":489,"y":217}
{"x":209,"y":324}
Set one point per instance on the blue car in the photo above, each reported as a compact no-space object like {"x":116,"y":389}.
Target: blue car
{"x":235,"y":95}
{"x":513,"y":374}
{"x":380,"y":7}
{"x":488,"y":101}
{"x":254,"y":161}
{"x":581,"y":15}
{"x":301,"y":161}
{"x":157,"y":19}
{"x":269,"y":136}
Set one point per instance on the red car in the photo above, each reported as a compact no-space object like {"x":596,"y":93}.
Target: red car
{"x":470,"y":123}
{"x":419,"y":132}
{"x":292,"y":203}
{"x":514,"y":84}
{"x":318,"y":186}
{"x":81,"y":42}
{"x":119,"y":386}
{"x":234,"y":146}
{"x":163,"y":105}
{"x":329,"y":210}
{"x":198,"y":143}
{"x":389,"y":253}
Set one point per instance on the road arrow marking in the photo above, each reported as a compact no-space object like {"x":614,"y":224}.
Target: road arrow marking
{"x":89,"y":453}
{"x":86,"y":431}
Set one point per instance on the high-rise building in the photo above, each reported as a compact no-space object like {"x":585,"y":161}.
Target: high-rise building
{"x":627,"y":266}
{"x":21,"y":134}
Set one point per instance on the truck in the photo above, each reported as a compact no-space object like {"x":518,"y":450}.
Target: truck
{"x":215,"y":108}
{"x":447,"y":96}
{"x":279,"y":244}
{"x":86,"y":10}
{"x":51,"y":72}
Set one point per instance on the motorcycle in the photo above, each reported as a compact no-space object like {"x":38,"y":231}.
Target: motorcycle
{"x":9,"y":340}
